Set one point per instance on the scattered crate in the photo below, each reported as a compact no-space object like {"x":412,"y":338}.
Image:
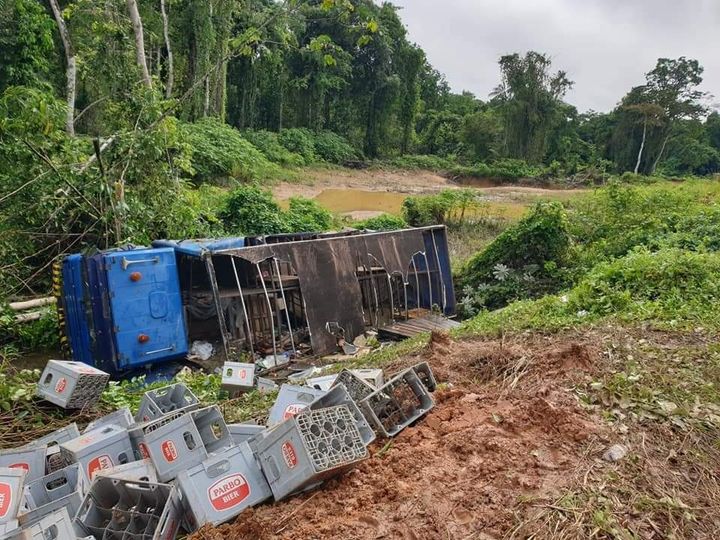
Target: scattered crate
{"x":339,"y":395}
{"x":135,"y":471}
{"x":290,"y":401}
{"x":122,"y":417}
{"x":65,"y":488}
{"x":30,"y":459}
{"x":238,"y":378}
{"x":71,"y":385}
{"x":11,"y":489}
{"x":57,"y":525}
{"x":53,"y":459}
{"x":223,"y":486}
{"x":309,"y":448}
{"x":265,"y":385}
{"x":99,"y":449}
{"x":374,"y":377}
{"x":116,"y":508}
{"x":356,"y":387}
{"x":399,"y":403}
{"x":240,"y":433}
{"x":158,"y":403}
{"x":321,"y":383}
{"x":426,"y":376}
{"x":183,"y":442}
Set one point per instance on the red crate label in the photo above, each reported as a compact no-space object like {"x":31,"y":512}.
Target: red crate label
{"x":99,"y":463}
{"x":169,"y":451}
{"x":23,"y":466}
{"x":144,"y":450}
{"x":292,"y":410}
{"x":289,"y":455}
{"x":242,"y":374}
{"x":228,"y":492}
{"x":5,"y":498}
{"x":61,"y":385}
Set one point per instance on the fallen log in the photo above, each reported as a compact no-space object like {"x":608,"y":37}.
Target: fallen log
{"x":30,"y":304}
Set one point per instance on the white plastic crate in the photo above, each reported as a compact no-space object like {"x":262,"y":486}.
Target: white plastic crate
{"x":374,"y":377}
{"x":238,"y":378}
{"x":358,"y":388}
{"x":71,"y":385}
{"x":57,"y":525}
{"x":290,"y":401}
{"x":221,"y":487}
{"x":309,"y":448}
{"x":339,"y":395}
{"x":240,"y":433}
{"x":169,"y":399}
{"x":11,"y":492}
{"x":121,"y":417}
{"x":99,"y":449}
{"x":65,"y":488}
{"x":31,"y":459}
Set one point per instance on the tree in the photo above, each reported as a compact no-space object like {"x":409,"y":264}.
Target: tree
{"x":139,"y":42}
{"x":168,"y":47}
{"x":650,"y":114}
{"x":70,"y":69}
{"x":481,"y":132}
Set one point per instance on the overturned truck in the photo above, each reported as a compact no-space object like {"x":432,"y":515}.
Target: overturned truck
{"x":295,"y":295}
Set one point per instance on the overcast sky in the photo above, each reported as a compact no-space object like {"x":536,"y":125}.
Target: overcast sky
{"x":606,"y":46}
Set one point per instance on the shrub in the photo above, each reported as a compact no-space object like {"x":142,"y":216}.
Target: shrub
{"x":306,"y":215}
{"x":299,"y":141}
{"x":267,"y":142}
{"x":251,"y":210}
{"x":333,"y":148}
{"x":385,"y":222}
{"x":450,"y":205}
{"x":220,"y":152}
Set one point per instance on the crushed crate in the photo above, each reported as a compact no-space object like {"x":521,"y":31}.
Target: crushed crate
{"x":240,"y":433}
{"x":426,"y":376}
{"x":53,"y":459}
{"x":290,"y":401}
{"x":71,"y":385}
{"x":12,"y":481}
{"x":403,"y":400}
{"x":158,"y":403}
{"x":356,"y":387}
{"x":122,"y":417}
{"x":57,"y":525}
{"x":374,"y":377}
{"x":118,"y":509}
{"x":339,"y":395}
{"x":30,"y":459}
{"x":65,"y":488}
{"x":184,"y":442}
{"x":223,"y":486}
{"x":309,"y":448}
{"x":99,"y":449}
{"x":238,"y":378}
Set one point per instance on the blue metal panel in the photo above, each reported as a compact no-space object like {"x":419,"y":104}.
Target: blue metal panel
{"x":73,"y":299}
{"x":145,"y":301}
{"x":103,"y":344}
{"x":198,"y":248}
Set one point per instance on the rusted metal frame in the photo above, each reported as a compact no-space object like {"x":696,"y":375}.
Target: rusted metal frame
{"x":440,"y":275}
{"x":287,"y":312}
{"x":250,"y":337}
{"x":274,"y":291}
{"x":417,"y":281}
{"x":389,"y":280}
{"x":218,"y":305}
{"x":270,"y":312}
{"x":375,"y":293}
{"x":427,"y":269}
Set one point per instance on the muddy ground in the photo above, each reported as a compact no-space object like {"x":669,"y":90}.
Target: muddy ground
{"x":507,"y":446}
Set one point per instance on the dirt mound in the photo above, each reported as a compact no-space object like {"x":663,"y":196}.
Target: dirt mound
{"x":501,"y":432}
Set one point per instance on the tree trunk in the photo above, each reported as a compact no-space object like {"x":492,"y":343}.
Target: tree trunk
{"x":139,"y":42}
{"x":660,"y":155}
{"x":642,"y":147}
{"x":168,"y":47}
{"x":70,"y":70}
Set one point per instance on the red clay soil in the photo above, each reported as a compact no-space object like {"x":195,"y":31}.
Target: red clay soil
{"x":505,"y":438}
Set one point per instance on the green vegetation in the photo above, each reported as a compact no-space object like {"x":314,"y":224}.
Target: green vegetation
{"x":385,"y":222}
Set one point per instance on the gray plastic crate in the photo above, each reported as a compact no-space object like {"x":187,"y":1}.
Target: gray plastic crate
{"x":238,"y":378}
{"x":122,"y":417}
{"x":31,"y":459}
{"x":65,"y":488}
{"x":12,"y":481}
{"x":158,"y":403}
{"x":356,"y":387}
{"x":290,"y":401}
{"x":99,"y":449}
{"x":374,"y":377}
{"x":309,"y":448}
{"x":240,"y":433}
{"x":136,"y":471}
{"x":223,"y":486}
{"x":57,"y":525}
{"x":402,"y":401}
{"x":324,"y":382}
{"x":426,"y":376}
{"x":265,"y":385}
{"x":71,"y":385}
{"x":339,"y":395}
{"x":53,"y":459}
{"x":185,"y":441}
{"x":119,"y":509}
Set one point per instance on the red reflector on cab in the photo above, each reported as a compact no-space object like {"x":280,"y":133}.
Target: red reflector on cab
{"x":143,"y":338}
{"x":135,"y":276}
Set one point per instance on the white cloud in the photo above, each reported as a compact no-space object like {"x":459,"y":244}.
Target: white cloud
{"x":606,"y":46}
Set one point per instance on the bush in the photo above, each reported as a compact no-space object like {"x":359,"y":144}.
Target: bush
{"x":251,"y":210}
{"x":220,"y":152}
{"x":448,"y":206}
{"x":430,"y":163}
{"x":306,"y":215}
{"x":385,"y":222}
{"x":267,"y":142}
{"x":526,"y":260}
{"x":333,"y":148}
{"x":299,"y":141}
